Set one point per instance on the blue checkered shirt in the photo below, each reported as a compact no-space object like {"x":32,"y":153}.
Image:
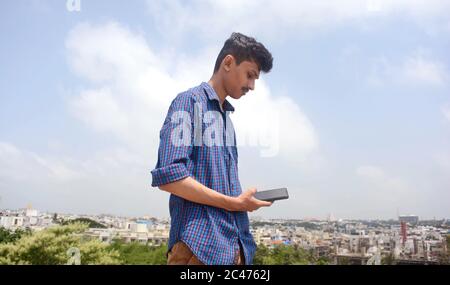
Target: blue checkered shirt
{"x":213,"y":234}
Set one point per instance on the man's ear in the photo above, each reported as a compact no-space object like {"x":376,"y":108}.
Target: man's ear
{"x":228,"y":62}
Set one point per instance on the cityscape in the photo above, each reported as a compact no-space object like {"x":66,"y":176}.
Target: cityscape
{"x":404,"y":240}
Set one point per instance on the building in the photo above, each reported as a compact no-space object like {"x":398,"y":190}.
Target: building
{"x":11,"y":222}
{"x":409,"y":219}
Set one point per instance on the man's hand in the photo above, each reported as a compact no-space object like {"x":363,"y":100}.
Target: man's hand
{"x":247,"y":203}
{"x":190,"y":189}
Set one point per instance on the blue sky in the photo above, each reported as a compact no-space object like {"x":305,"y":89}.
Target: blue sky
{"x":358,"y":100}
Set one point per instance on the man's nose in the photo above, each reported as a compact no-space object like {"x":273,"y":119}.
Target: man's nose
{"x":251,"y":86}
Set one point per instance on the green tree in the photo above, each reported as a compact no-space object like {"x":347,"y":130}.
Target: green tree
{"x":344,"y":261}
{"x":448,"y":243}
{"x":137,"y":253}
{"x":55,"y":218}
{"x":11,"y":236}
{"x":388,"y":259}
{"x":283,"y":255}
{"x":90,"y":223}
{"x":262,"y":256}
{"x":322,"y":261}
{"x":51,"y":246}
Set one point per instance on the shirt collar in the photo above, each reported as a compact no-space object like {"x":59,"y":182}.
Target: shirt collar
{"x":212,"y":95}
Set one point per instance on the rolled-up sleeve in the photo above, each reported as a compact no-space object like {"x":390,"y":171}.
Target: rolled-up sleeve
{"x":174,"y":154}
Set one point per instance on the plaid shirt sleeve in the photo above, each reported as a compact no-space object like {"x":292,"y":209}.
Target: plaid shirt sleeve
{"x":173,"y":158}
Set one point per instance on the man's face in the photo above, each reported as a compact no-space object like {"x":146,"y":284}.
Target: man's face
{"x":240,"y":78}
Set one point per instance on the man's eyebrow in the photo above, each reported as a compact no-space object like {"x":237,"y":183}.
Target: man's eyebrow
{"x":256,"y":74}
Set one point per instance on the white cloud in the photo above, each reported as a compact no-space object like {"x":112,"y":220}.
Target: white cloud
{"x":131,"y":89}
{"x":446,"y":112}
{"x":418,"y":68}
{"x":22,"y":165}
{"x":380,"y":191}
{"x":134,"y":91}
{"x":126,"y":94}
{"x":214,"y":19}
{"x":442,"y":161}
{"x":112,"y":180}
{"x":377,"y":176}
{"x":275,"y":124}
{"x":128,"y":86}
{"x":110,"y":119}
{"x":371,"y":172}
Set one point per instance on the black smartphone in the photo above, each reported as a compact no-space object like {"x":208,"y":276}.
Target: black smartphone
{"x":272,"y":195}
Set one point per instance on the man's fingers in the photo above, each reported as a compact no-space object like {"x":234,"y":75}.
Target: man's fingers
{"x":265,"y":203}
{"x":251,"y":191}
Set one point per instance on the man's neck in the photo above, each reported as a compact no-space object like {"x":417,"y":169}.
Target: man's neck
{"x":217,"y":85}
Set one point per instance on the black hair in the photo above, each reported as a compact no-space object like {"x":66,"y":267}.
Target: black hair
{"x":242,"y":47}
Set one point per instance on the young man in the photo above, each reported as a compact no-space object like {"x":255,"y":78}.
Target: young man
{"x":198,"y":162}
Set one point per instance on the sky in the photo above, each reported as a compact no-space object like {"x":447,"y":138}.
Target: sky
{"x":354,"y":118}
